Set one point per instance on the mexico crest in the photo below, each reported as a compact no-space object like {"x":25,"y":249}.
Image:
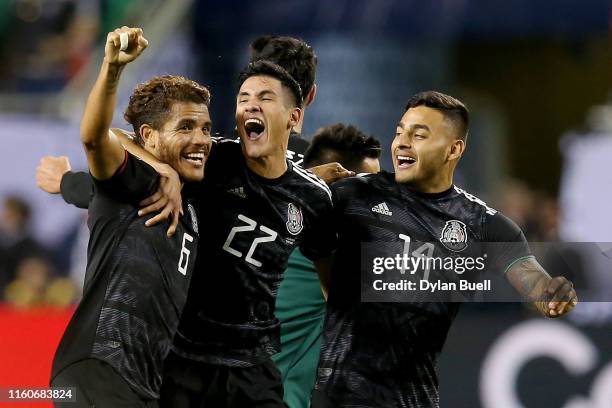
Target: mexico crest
{"x":294,"y":219}
{"x":454,"y":236}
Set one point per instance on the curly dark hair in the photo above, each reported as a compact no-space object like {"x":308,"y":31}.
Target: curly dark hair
{"x":151,"y":101}
{"x":452,"y":108}
{"x":341,"y":143}
{"x":293,"y":54}
{"x":269,"y":68}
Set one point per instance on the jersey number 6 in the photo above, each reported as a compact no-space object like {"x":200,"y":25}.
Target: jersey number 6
{"x":251,"y":225}
{"x":182,"y":266}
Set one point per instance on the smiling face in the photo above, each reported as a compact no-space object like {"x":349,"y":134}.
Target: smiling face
{"x":184,"y":139}
{"x":264,"y":117}
{"x":426,"y":149}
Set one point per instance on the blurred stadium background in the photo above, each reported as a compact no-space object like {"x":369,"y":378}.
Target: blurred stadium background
{"x":536,"y":75}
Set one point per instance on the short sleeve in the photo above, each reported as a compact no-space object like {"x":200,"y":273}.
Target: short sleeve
{"x":321,"y":239}
{"x":77,"y":188}
{"x":134,"y":181}
{"x":505,"y":242}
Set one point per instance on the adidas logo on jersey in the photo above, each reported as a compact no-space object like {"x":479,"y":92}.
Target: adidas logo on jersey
{"x":239,"y":191}
{"x":382,"y":208}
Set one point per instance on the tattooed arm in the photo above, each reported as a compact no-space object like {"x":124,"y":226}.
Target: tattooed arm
{"x":553,"y":297}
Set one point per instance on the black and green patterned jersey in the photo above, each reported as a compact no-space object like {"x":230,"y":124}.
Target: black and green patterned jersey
{"x":252,"y":224}
{"x":383,"y":354}
{"x":136,"y":282}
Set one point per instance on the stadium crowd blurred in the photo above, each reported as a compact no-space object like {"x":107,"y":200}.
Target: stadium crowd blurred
{"x":31,"y":274}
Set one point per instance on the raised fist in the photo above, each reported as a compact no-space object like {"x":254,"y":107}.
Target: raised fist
{"x":124,"y":45}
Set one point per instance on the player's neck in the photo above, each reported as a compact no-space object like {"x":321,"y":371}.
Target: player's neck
{"x":434,"y":185}
{"x":269,"y":167}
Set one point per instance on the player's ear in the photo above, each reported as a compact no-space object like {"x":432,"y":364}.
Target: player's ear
{"x":456,"y":149}
{"x":148,"y":135}
{"x":310,"y":95}
{"x":295,"y":114}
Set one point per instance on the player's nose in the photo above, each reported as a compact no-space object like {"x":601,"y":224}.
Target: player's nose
{"x":251,"y":107}
{"x":404,"y":140}
{"x":201,"y":137}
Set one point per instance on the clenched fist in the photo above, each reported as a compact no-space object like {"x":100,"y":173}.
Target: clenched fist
{"x":50,"y":171}
{"x":561,"y":297}
{"x":130,"y":38}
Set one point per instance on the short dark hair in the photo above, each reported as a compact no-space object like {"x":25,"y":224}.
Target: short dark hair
{"x":293,"y":54}
{"x":452,"y":108}
{"x":341,"y":143}
{"x":152,"y":101}
{"x":268,"y":68}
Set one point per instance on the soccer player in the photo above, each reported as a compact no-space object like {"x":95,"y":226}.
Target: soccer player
{"x":300,"y":61}
{"x":300,"y":305}
{"x":137,"y":278}
{"x":384,"y":354}
{"x":259,"y":207}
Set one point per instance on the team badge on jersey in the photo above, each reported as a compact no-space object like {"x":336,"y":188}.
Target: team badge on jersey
{"x":294,"y":219}
{"x":454,"y":236}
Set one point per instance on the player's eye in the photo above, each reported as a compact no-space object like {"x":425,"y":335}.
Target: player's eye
{"x":420,"y":137}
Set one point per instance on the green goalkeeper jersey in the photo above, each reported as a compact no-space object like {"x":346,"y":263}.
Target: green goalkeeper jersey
{"x":300,"y":307}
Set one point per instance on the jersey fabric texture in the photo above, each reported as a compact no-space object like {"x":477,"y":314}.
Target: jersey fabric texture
{"x":253,"y":224}
{"x":135,"y":285}
{"x":300,"y":308}
{"x":384,"y":354}
{"x":77,"y":188}
{"x":97,"y":384}
{"x":189,"y":384}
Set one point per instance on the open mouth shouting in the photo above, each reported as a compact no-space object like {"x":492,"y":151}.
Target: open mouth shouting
{"x":404,"y":162}
{"x":254,"y":128}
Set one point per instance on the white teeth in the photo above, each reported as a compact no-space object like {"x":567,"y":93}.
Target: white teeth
{"x":407,"y":158}
{"x":195,"y":156}
{"x":253,"y":120}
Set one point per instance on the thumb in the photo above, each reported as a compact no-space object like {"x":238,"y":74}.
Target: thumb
{"x":142,"y":42}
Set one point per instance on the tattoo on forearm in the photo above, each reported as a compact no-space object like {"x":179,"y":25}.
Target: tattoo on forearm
{"x":529,"y":279}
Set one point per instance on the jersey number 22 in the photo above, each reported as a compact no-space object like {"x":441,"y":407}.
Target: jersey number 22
{"x":251,"y":225}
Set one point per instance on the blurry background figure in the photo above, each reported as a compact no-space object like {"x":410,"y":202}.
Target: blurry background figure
{"x":26,"y":271}
{"x":17,"y":246}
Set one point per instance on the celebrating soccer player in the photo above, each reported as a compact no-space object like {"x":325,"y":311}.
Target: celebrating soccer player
{"x":137,"y":278}
{"x":258,"y":208}
{"x":383,"y":354}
